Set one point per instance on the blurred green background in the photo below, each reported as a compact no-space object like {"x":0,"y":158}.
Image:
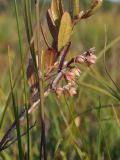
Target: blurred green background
{"x":95,"y":87}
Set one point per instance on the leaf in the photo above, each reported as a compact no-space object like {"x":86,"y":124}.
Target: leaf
{"x":76,"y":7}
{"x":54,"y":10}
{"x":61,"y":11}
{"x":50,"y":58}
{"x":51,"y":25}
{"x":65,"y":30}
{"x":57,"y":11}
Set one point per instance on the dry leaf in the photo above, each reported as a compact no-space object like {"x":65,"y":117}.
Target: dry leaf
{"x":50,"y":58}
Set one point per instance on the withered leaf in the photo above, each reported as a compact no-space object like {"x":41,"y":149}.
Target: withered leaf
{"x":50,"y":58}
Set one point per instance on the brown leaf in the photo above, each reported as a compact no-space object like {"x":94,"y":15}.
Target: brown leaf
{"x":50,"y":58}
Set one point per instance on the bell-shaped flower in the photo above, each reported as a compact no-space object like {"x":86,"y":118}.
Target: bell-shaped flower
{"x":59,"y":91}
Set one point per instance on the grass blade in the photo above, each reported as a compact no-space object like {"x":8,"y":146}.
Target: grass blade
{"x":99,"y":133}
{"x":23,"y":74}
{"x":16,"y":115}
{"x":28,"y":25}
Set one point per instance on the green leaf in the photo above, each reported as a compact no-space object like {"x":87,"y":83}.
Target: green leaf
{"x":56,"y":10}
{"x":76,"y":7}
{"x":65,"y":30}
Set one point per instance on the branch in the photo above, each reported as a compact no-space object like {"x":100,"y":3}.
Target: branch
{"x":6,"y":145}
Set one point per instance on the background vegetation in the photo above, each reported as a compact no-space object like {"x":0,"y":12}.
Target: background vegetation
{"x":95,"y":109}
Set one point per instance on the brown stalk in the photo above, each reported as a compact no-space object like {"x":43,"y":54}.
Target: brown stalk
{"x":64,"y":54}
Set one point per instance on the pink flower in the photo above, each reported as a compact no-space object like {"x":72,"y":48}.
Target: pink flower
{"x":80,"y":59}
{"x":59,"y":91}
{"x":70,"y":76}
{"x":91,"y":59}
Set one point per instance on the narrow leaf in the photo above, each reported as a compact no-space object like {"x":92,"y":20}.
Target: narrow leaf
{"x":61,"y":11}
{"x":65,"y":30}
{"x":15,"y":108}
{"x":51,"y":25}
{"x":56,"y":10}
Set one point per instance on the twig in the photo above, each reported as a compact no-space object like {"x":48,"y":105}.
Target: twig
{"x":15,"y":140}
{"x":64,"y":54}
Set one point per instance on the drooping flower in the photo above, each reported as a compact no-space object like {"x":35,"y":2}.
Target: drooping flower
{"x":70,"y":76}
{"x":91,"y":59}
{"x":80,"y":59}
{"x":59,"y":91}
{"x":89,"y":56}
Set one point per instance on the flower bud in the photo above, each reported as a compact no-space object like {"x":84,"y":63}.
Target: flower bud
{"x":80,"y":59}
{"x":91,"y":59}
{"x":59,"y":91}
{"x":70,"y":76}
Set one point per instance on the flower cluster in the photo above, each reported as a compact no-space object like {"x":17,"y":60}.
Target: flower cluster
{"x":70,"y":87}
{"x":68,"y":75}
{"x":87,"y":57}
{"x":73,"y":73}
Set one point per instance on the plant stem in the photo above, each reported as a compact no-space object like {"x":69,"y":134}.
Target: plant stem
{"x":41,"y":86}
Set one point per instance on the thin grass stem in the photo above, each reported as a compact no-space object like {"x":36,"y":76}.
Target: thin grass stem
{"x":15,"y":108}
